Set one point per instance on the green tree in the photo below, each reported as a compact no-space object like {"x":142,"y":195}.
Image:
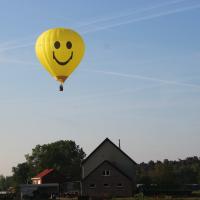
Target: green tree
{"x":170,"y":174}
{"x":5,"y":182}
{"x":63,"y":156}
{"x":2,"y":183}
{"x":21,"y":173}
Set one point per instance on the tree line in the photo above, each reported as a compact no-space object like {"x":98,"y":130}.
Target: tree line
{"x":65,"y":156}
{"x":170,"y":174}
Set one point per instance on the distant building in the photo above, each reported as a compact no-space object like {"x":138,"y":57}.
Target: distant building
{"x":38,"y":191}
{"x":108,"y":172}
{"x":46,"y":183}
{"x":48,"y":176}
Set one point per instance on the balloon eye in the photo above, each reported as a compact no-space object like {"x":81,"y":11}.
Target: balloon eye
{"x":69,"y":45}
{"x":57,"y":45}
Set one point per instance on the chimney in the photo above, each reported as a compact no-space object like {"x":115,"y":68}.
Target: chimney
{"x":119,"y":144}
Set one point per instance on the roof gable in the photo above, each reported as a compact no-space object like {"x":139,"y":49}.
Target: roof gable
{"x":112,"y":165}
{"x":100,"y":146}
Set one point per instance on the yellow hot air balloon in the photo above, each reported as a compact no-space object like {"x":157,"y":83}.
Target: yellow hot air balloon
{"x":60,"y":51}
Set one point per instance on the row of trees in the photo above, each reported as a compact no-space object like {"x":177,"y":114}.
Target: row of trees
{"x":169,"y":174}
{"x":64,"y":156}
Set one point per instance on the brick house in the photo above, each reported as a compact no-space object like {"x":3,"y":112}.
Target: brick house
{"x":108,"y":172}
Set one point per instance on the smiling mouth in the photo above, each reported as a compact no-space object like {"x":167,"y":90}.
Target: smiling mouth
{"x":60,"y":62}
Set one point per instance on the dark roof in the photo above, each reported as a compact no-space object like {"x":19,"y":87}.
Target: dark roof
{"x":108,"y":140}
{"x":106,"y":161}
{"x":43,"y":173}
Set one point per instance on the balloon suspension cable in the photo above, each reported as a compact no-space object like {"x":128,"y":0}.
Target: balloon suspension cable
{"x":61,"y":87}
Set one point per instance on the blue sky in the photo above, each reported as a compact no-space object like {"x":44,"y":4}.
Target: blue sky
{"x":139,"y":80}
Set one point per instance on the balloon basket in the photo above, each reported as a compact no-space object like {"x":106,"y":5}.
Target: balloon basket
{"x":61,"y":88}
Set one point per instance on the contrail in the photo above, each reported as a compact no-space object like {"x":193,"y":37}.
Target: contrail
{"x":83,"y":25}
{"x":16,"y":47}
{"x":146,"y":78}
{"x":120,"y":23}
{"x":132,"y":76}
{"x":17,"y":43}
{"x":148,"y":17}
{"x":17,"y":40}
{"x":124,"y":91}
{"x":19,"y":62}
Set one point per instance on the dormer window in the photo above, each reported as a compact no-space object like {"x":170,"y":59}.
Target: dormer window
{"x":106,"y":173}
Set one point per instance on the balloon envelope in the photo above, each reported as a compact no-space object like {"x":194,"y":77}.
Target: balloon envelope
{"x":60,"y":51}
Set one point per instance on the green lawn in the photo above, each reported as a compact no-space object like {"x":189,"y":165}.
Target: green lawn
{"x":159,"y":198}
{"x":147,"y":198}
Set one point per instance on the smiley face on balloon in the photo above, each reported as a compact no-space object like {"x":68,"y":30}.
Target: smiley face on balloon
{"x":60,"y":51}
{"x":57,"y":46}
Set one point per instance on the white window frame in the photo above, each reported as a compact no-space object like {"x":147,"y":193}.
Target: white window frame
{"x":106,"y":173}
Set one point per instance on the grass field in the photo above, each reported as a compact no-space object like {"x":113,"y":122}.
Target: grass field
{"x":159,"y":198}
{"x":147,"y":198}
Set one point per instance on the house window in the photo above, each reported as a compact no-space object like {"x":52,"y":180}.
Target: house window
{"x":92,"y":185}
{"x":106,"y":185}
{"x":106,"y":173}
{"x":120,"y":185}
